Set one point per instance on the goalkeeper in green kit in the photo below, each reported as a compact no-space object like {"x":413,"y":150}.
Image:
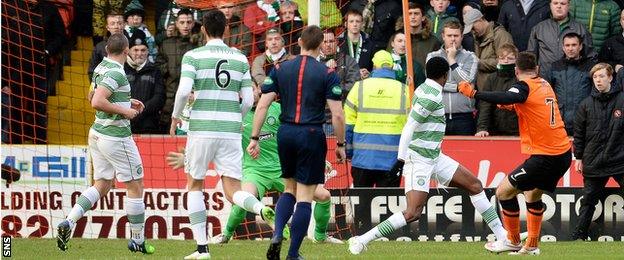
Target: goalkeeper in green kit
{"x":264,"y":174}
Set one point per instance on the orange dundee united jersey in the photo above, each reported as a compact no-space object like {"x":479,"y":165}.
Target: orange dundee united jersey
{"x":542,"y":133}
{"x":541,"y":127}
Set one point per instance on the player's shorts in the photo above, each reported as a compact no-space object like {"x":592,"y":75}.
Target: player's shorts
{"x":302,"y":150}
{"x":263,"y":184}
{"x":418,"y":171}
{"x":540,"y":171}
{"x":114,"y":157}
{"x":225,"y":154}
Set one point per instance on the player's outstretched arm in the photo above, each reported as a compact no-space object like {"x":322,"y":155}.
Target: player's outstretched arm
{"x":518,"y":93}
{"x":338,"y":122}
{"x":100,"y":102}
{"x":181,"y":98}
{"x":260,"y":115}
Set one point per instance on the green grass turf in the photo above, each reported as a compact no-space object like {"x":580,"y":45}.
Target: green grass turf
{"x":176,"y":249}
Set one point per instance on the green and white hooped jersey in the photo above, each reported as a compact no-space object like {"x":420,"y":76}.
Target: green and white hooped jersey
{"x":428,"y":111}
{"x":110,"y":74}
{"x":218,"y":73}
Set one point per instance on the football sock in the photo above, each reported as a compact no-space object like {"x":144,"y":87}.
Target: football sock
{"x":394,"y":222}
{"x":299,"y":228}
{"x":247,"y":201}
{"x":197,"y":215}
{"x":135,"y":208}
{"x":283,"y":210}
{"x":234,"y":219}
{"x":488,"y":212}
{"x":86,"y":200}
{"x":321,"y":217}
{"x":511,"y":219}
{"x":534,"y":222}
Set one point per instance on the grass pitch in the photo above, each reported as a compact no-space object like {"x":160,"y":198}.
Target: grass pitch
{"x":175,"y":249}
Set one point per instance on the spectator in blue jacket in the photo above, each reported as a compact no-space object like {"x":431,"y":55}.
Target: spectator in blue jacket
{"x":570,"y":79}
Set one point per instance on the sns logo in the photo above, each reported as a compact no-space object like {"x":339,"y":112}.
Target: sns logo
{"x":6,"y":246}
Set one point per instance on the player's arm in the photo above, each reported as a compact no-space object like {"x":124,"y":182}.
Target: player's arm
{"x":517,"y":93}
{"x":103,"y":89}
{"x":187,"y":78}
{"x":259,"y":116}
{"x":246,"y":93}
{"x":269,"y":93}
{"x":333,"y":94}
{"x":421,"y":109}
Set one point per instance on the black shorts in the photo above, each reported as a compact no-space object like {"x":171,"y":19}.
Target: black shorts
{"x":302,"y":150}
{"x":541,"y":171}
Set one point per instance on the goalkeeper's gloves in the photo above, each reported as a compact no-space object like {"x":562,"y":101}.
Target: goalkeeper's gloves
{"x":397,"y":168}
{"x":466,"y":89}
{"x":175,"y":160}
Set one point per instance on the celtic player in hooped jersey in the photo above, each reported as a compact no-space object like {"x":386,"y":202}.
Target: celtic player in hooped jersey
{"x":219,"y":78}
{"x":420,"y":159}
{"x":113,"y":151}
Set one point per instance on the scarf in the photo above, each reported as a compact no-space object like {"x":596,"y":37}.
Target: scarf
{"x":358,"y":50}
{"x":369,"y":15}
{"x":506,"y":70}
{"x":270,"y":9}
{"x":324,"y":57}
{"x":135,"y":65}
{"x":271,"y":58}
{"x":526,"y":5}
{"x":398,"y":66}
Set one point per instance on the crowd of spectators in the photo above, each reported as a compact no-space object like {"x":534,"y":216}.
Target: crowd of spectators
{"x":479,"y":38}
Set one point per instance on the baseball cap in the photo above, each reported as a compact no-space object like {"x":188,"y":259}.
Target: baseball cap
{"x":470,"y":18}
{"x":382,"y":57}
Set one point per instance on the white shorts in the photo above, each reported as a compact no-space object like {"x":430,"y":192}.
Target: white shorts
{"x":418,"y":171}
{"x":114,"y":157}
{"x":226,"y":154}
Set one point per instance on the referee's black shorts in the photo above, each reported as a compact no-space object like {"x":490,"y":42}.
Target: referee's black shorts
{"x":302,"y":150}
{"x":541,"y":171}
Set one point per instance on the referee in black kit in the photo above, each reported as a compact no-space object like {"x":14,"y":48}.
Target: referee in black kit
{"x":304,"y":86}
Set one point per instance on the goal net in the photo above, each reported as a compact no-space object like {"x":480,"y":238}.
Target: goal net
{"x":46,"y":163}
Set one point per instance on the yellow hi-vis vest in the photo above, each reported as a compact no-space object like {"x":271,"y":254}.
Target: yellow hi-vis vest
{"x":377,"y":106}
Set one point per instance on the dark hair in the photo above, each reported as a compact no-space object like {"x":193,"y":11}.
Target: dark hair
{"x":214,"y":23}
{"x":312,"y":37}
{"x":185,"y":11}
{"x":329,"y":31}
{"x":573,"y":35}
{"x":352,"y":12}
{"x":437,"y":68}
{"x":413,"y":5}
{"x":526,"y":61}
{"x":116,"y":44}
